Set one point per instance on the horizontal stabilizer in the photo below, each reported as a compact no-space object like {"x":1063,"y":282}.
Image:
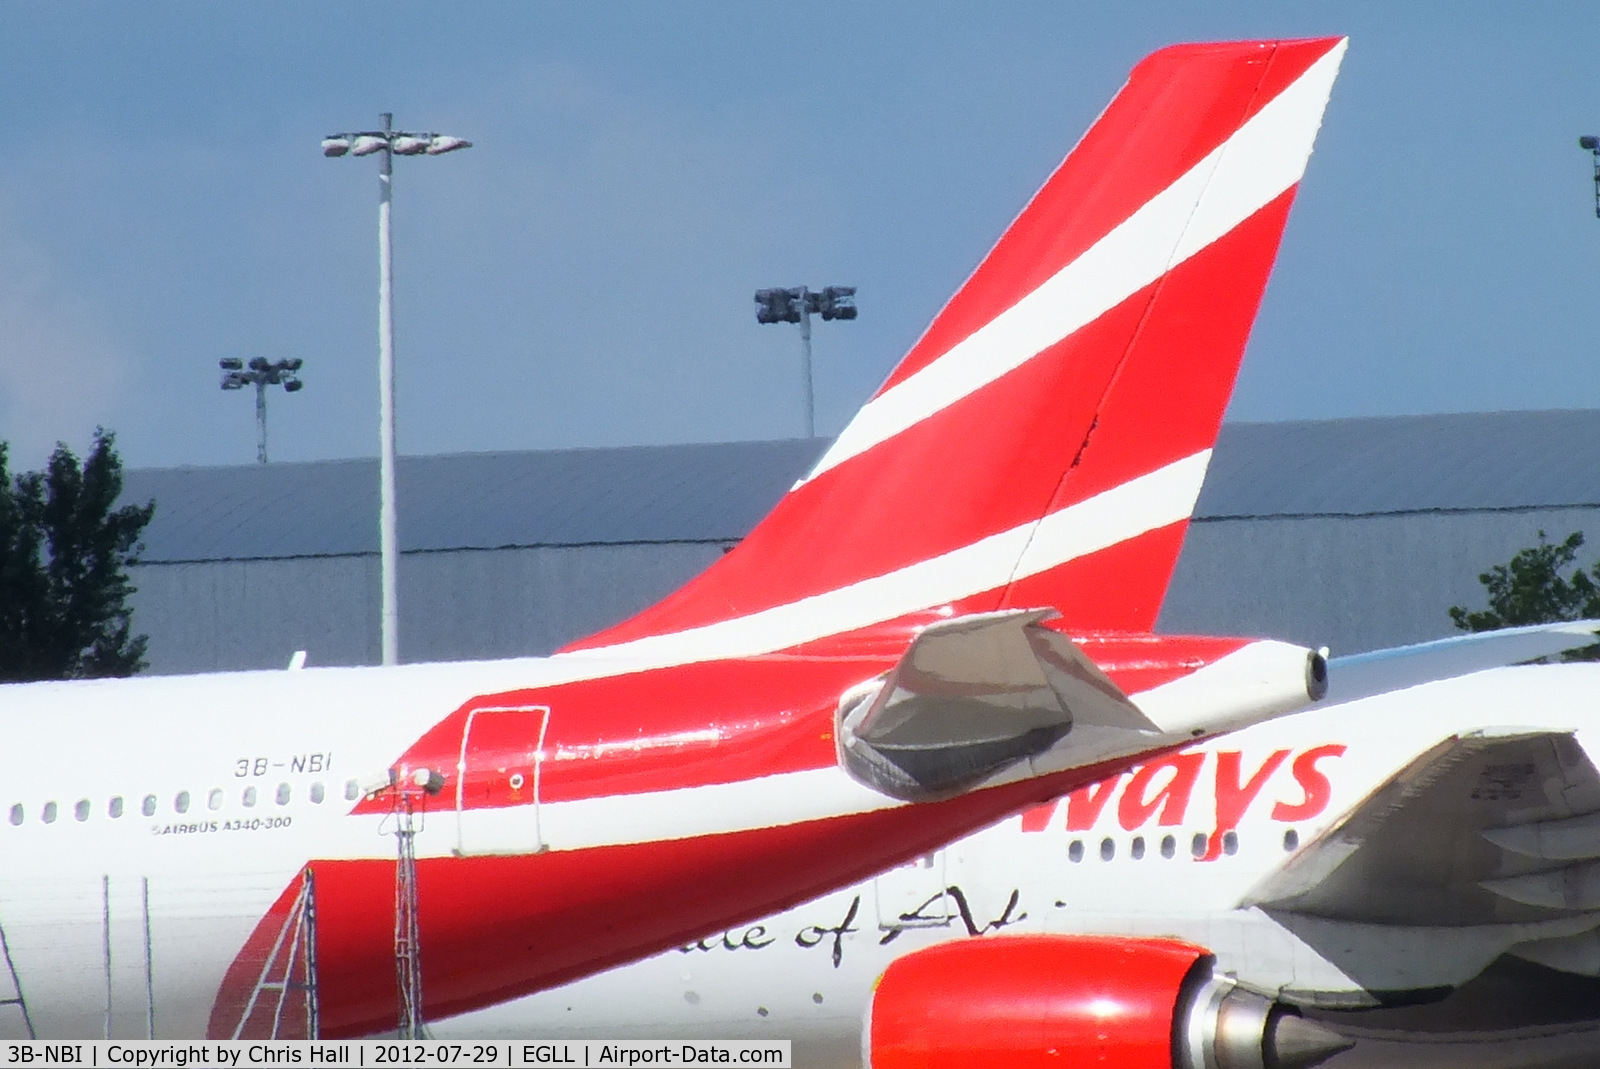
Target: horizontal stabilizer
{"x":971,"y":696}
{"x":1361,"y":675}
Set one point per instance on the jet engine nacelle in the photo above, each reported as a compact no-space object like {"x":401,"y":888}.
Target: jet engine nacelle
{"x":1046,"y":1001}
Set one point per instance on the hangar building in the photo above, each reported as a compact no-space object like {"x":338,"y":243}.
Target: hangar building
{"x":1353,"y":533}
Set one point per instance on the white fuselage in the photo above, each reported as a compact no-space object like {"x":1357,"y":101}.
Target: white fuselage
{"x":1132,"y":869}
{"x":152,"y":829}
{"x":149,"y":824}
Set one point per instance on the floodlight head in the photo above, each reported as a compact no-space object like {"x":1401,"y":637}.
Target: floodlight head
{"x":838,"y":302}
{"x":259,"y":363}
{"x":294,"y":363}
{"x":429,"y":780}
{"x":410,"y":145}
{"x":230,"y":363}
{"x":336,"y":145}
{"x":779,"y":305}
{"x":1589,"y":141}
{"x":440,"y":144}
{"x":292,"y":385}
{"x":233,"y":380}
{"x":367,"y":144}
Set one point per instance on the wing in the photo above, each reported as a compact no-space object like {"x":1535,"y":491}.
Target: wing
{"x":1486,"y":844}
{"x":1362,"y":675}
{"x":1481,"y":829}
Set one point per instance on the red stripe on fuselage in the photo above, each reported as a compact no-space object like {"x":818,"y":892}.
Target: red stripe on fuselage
{"x":712,"y":722}
{"x":495,"y":928}
{"x":721,"y":722}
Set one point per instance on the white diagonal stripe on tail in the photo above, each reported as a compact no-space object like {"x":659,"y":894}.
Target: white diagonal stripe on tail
{"x":1263,"y":158}
{"x":1154,"y":500}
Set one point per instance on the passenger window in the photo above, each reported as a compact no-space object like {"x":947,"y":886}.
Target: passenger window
{"x":1197,"y":846}
{"x":181,"y":803}
{"x":352,"y":790}
{"x":1108,"y":849}
{"x":49,"y":814}
{"x":1075,"y":851}
{"x":1291,"y":838}
{"x":249,"y":796}
{"x":80,"y":812}
{"x":1169,"y":846}
{"x":214,"y":799}
{"x":316,"y":792}
{"x":1138,"y":847}
{"x":1230,"y":843}
{"x":149,"y":807}
{"x":16,"y":814}
{"x":282,"y":797}
{"x":115,"y":808}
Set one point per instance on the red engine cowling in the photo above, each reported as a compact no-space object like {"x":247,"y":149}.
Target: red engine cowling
{"x":1059,"y":1001}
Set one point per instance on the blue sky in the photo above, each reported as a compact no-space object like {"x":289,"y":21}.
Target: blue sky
{"x":583,"y":276}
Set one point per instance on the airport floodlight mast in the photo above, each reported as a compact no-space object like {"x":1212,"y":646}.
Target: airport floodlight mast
{"x":1591,"y":144}
{"x":796,"y":305}
{"x":261,"y":373}
{"x":390,"y":143}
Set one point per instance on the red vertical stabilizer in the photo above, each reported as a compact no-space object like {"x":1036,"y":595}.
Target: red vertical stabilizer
{"x":1045,"y":440}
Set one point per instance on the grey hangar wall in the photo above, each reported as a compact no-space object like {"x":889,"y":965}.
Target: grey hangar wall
{"x":1352,"y":533}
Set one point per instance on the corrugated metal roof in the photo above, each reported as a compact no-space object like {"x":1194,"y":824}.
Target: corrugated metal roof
{"x":716,"y":492}
{"x":672,"y":493}
{"x":1356,"y":467}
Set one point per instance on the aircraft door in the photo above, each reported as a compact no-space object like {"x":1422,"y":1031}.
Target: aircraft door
{"x":497,"y":780}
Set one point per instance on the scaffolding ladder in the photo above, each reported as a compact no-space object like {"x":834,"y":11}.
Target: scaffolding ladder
{"x":16,"y":998}
{"x":407,"y":941}
{"x":296,"y":948}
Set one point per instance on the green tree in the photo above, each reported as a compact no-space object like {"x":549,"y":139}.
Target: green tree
{"x":1534,"y":588}
{"x":64,"y":555}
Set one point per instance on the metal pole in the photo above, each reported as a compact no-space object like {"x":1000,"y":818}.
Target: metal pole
{"x":389,"y":617}
{"x":149,"y":967}
{"x":105,"y":900}
{"x":805,"y":359}
{"x":1597,"y":183}
{"x":261,"y":421}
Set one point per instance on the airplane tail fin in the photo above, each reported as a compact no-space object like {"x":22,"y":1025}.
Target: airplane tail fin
{"x":1044,"y":441}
